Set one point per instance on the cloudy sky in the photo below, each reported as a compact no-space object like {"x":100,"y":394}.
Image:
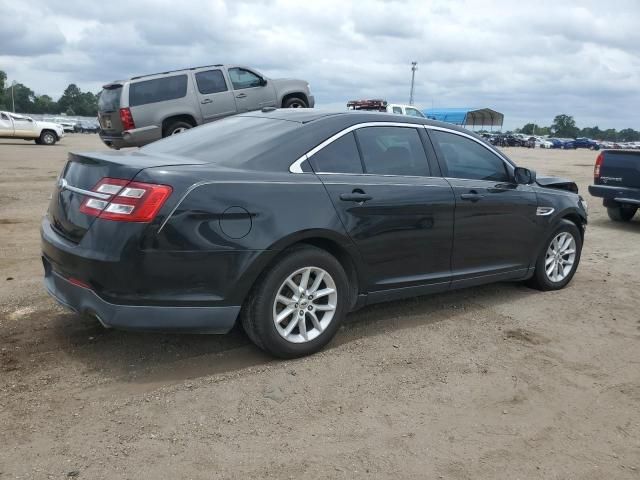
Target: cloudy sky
{"x":529,"y":61}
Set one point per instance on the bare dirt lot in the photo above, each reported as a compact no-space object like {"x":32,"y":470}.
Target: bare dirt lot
{"x":493,"y":382}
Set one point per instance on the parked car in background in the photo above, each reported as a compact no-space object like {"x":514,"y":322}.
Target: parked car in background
{"x":143,"y":109}
{"x":582,"y":143}
{"x":616,"y":179}
{"x":67,"y":124}
{"x":556,"y":143}
{"x":287,"y":220}
{"x":384,"y":106}
{"x":26,"y":128}
{"x":545,"y":143}
{"x":85,"y":126}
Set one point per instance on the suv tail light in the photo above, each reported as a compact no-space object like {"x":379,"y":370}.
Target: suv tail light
{"x":596,"y":169}
{"x":127,"y":119}
{"x":127,"y":202}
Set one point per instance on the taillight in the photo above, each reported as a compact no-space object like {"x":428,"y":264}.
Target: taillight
{"x":127,"y":201}
{"x":127,"y":119}
{"x":596,"y":169}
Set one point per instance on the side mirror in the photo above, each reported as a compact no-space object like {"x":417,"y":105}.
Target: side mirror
{"x":263,"y":82}
{"x":524,"y":176}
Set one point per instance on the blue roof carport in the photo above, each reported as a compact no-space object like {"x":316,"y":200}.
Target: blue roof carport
{"x":466,"y":117}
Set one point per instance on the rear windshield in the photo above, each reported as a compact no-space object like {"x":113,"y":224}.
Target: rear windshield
{"x":232,"y":139}
{"x":109,"y":99}
{"x":157,"y":90}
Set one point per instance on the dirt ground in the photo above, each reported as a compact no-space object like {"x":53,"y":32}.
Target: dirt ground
{"x":495,"y":382}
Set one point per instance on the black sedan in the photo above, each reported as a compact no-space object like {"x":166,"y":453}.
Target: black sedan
{"x":286,"y":220}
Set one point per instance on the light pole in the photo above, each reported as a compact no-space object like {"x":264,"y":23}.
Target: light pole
{"x":414,"y":67}
{"x":13,"y":101}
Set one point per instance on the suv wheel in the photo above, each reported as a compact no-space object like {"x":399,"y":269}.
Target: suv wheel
{"x":47,"y":138}
{"x":294,"y":102}
{"x":177,"y":127}
{"x":559,"y":258}
{"x":621,"y":213}
{"x":298,"y":304}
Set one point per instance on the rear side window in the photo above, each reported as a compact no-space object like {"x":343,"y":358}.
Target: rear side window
{"x":461,"y":157}
{"x":211,"y":81}
{"x":392,"y":151}
{"x":157,"y":90}
{"x":109,"y":99}
{"x":397,"y":110}
{"x":340,"y":156}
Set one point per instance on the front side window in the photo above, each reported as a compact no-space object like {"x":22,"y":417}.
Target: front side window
{"x":340,"y":156}
{"x":414,"y":112}
{"x":461,"y":157}
{"x":392,"y":151}
{"x":241,"y":78}
{"x":157,"y":90}
{"x":211,"y":81}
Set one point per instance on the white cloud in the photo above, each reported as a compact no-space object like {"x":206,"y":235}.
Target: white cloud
{"x":529,"y":61}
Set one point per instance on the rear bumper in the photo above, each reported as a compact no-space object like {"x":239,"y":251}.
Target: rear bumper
{"x":138,"y":317}
{"x":136,"y":137}
{"x":615,"y":194}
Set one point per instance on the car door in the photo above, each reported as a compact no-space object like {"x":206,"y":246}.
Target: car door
{"x":252,"y":92}
{"x":6,"y":126}
{"x":215,"y":97}
{"x":24,"y":127}
{"x":399,"y":216}
{"x":496,"y":231}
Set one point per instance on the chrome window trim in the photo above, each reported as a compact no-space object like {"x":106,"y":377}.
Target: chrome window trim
{"x":296,"y":167}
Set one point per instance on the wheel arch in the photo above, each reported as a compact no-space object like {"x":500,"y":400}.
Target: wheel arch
{"x":294,"y":94}
{"x":338,"y":246}
{"x":184,"y":117}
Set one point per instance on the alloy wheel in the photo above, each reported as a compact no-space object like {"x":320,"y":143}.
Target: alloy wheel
{"x":560,"y":257}
{"x":48,"y":139}
{"x":305,"y":304}
{"x":175,"y":131}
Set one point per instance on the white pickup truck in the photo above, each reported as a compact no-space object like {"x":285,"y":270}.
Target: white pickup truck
{"x":18,"y":126}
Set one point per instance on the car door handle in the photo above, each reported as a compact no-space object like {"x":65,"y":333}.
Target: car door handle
{"x":355,"y":197}
{"x":241,"y":95}
{"x":206,"y":100}
{"x":472,"y":197}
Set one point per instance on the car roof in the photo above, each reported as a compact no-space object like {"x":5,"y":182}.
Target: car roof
{"x":307,"y":115}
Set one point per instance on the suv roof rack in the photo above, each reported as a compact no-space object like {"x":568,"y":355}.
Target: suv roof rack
{"x":173,"y":71}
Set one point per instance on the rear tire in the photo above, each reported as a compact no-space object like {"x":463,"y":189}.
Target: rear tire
{"x":555,"y":252}
{"x":621,"y":213}
{"x":176,"y":127}
{"x":47,"y":137}
{"x":306,"y":329}
{"x":294,"y":102}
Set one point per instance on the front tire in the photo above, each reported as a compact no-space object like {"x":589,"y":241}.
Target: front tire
{"x":47,"y":138}
{"x":559,"y":258}
{"x":298,"y":304}
{"x":621,"y":213}
{"x":294,"y":102}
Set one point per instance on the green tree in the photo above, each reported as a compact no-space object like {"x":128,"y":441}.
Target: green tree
{"x":530,"y":129}
{"x":564,"y":126}
{"x":23,"y":96}
{"x":3,"y":81}
{"x":610,"y":134}
{"x":591,"y":132}
{"x":629,"y":135}
{"x":44,"y":104}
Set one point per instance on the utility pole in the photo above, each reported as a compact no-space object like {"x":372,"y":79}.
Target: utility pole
{"x":414,"y":67}
{"x":13,"y":101}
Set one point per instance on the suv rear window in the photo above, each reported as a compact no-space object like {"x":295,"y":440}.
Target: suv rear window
{"x":157,"y":90}
{"x":109,"y":99}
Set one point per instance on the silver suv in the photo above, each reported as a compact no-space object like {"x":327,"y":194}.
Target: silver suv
{"x":142,"y":109}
